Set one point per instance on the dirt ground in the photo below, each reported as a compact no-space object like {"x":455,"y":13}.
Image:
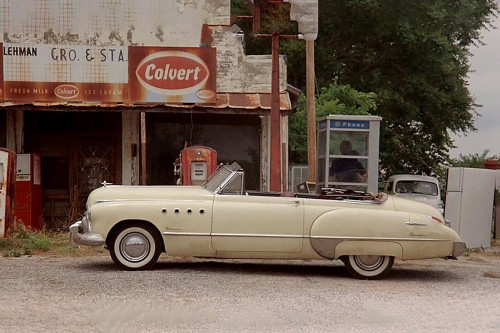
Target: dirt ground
{"x":46,"y":293}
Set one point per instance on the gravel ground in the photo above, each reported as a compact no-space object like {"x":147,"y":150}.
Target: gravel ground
{"x":89,"y":294}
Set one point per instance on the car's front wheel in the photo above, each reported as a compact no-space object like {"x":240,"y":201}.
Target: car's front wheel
{"x":368,"y":267}
{"x":135,"y":247}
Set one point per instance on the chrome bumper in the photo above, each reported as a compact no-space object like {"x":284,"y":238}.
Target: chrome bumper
{"x":458,"y":249}
{"x":90,"y":239}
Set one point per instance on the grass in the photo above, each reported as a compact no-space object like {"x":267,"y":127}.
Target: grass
{"x":24,"y":242}
{"x":490,"y":274}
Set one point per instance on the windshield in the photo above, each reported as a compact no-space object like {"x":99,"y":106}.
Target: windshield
{"x":219,"y":176}
{"x":416,"y":187}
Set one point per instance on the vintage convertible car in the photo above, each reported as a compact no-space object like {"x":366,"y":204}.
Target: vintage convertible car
{"x":221,"y":220}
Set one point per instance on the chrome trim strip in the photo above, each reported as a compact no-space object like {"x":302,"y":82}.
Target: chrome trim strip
{"x":258,"y":235}
{"x":380,"y":238}
{"x":416,"y":223}
{"x":171,"y":233}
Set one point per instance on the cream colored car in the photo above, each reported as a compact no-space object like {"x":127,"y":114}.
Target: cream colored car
{"x":222,"y":220}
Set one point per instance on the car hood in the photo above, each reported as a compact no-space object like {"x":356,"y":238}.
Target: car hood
{"x":122,"y":192}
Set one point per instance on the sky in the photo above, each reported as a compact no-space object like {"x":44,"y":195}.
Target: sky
{"x":484,"y":84}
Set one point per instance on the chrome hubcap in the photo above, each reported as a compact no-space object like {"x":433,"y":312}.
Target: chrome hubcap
{"x":369,"y":263}
{"x":134,"y":247}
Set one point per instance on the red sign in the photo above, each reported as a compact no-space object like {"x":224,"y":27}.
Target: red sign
{"x":110,"y":74}
{"x":172,"y":75}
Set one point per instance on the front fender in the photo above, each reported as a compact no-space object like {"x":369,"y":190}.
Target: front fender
{"x":106,"y":215}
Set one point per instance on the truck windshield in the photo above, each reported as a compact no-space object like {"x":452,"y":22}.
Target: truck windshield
{"x":416,"y":187}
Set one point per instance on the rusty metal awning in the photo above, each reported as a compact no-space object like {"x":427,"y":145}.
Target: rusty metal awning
{"x":241,"y":101}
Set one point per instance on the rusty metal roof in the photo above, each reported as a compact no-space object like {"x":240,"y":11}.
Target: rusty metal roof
{"x":254,"y":101}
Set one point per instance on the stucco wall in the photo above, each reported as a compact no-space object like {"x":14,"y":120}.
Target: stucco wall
{"x":172,"y":23}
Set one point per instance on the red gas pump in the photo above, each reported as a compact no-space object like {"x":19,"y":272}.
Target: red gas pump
{"x":7,"y":191}
{"x":197,"y":164}
{"x":28,"y":206}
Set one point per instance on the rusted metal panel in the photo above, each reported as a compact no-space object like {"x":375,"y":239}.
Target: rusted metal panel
{"x":223,"y":101}
{"x":7,"y":191}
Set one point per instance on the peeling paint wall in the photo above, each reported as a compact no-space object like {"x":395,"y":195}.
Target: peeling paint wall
{"x":110,"y":22}
{"x":173,"y":23}
{"x":238,"y":72}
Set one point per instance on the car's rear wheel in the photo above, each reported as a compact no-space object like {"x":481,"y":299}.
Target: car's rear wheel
{"x":368,"y":267}
{"x":135,"y":247}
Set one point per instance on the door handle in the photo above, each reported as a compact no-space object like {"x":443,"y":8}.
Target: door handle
{"x":295,"y":201}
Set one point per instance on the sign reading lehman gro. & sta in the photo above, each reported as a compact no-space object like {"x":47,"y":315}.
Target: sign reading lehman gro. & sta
{"x":112,"y":74}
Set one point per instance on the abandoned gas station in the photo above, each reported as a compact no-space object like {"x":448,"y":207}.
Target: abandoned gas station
{"x":114,"y":90}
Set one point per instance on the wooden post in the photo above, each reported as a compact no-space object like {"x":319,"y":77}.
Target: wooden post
{"x":143,"y":149}
{"x":311,"y":111}
{"x":256,"y":16}
{"x":275,"y":118}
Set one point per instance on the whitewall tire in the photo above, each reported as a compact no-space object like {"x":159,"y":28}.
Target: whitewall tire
{"x":135,"y":247}
{"x":368,"y":267}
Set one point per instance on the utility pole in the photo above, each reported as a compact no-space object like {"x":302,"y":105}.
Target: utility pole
{"x":143,"y":149}
{"x":311,"y":111}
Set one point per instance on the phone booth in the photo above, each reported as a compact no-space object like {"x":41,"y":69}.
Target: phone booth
{"x":197,"y":164}
{"x":348,"y":152}
{"x":7,"y":191}
{"x":28,"y":206}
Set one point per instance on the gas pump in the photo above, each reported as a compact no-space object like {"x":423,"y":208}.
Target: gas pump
{"x":197,"y":163}
{"x":28,"y":207}
{"x":7,"y":191}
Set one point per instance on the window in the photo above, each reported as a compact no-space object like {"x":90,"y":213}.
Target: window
{"x":217,"y":178}
{"x":416,"y":187}
{"x":235,"y":186}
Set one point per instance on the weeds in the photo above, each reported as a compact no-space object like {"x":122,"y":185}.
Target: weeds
{"x":490,"y":274}
{"x":24,"y":242}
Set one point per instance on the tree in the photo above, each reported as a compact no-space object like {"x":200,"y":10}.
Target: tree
{"x":414,"y":56}
{"x":473,"y":160}
{"x":333,"y":99}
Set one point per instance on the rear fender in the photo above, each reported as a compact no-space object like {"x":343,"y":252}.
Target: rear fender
{"x":359,"y":232}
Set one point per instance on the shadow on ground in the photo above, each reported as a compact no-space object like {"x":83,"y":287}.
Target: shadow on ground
{"x":333,"y":269}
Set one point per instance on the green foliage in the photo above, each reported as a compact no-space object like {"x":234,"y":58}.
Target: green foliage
{"x":413,"y":55}
{"x":11,"y":253}
{"x":26,"y":241}
{"x":6,"y":243}
{"x":22,"y":233}
{"x":333,"y":99}
{"x":36,"y":242}
{"x":473,"y":160}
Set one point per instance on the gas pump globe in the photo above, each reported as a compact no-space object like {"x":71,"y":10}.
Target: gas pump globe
{"x":348,"y":152}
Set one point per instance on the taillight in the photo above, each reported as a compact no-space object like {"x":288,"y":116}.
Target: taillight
{"x":437,"y":219}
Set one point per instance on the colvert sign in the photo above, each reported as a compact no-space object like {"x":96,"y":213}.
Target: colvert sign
{"x":172,"y":75}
